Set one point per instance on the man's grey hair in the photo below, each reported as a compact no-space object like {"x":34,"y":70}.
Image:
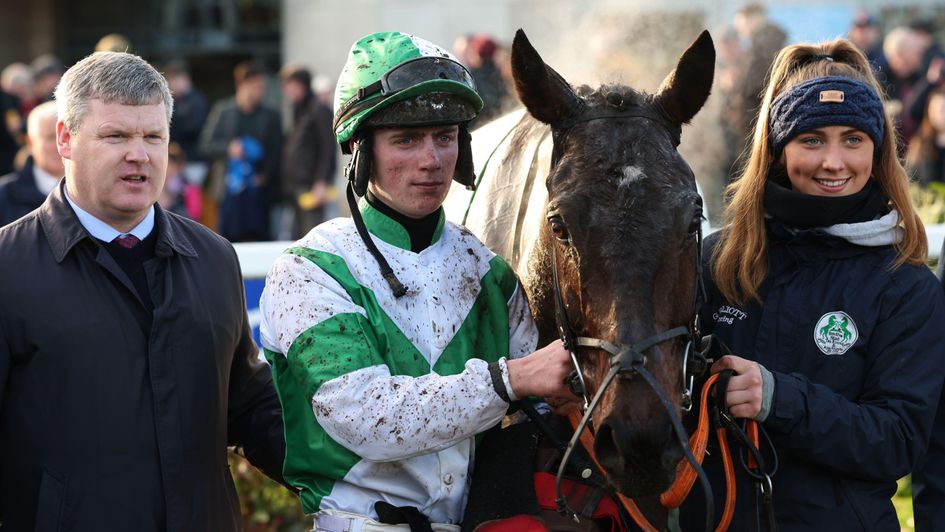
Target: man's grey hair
{"x":112,"y":77}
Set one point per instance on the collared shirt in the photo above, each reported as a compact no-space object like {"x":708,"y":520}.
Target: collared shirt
{"x":45,"y":181}
{"x":105,"y":232}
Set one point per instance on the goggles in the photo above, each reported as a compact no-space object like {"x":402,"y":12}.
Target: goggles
{"x":404,"y":76}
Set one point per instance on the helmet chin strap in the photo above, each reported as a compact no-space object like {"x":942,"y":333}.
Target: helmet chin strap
{"x":386,"y":271}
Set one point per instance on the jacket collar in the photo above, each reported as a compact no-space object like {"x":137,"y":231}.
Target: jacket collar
{"x":23,"y":187}
{"x":64,"y":231}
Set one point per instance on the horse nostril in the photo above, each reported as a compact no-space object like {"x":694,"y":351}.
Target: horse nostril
{"x":610,"y":448}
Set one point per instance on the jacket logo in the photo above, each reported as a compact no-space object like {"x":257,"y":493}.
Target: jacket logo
{"x":835,"y":333}
{"x":727,"y":314}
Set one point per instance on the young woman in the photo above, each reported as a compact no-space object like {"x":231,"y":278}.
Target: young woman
{"x":818,"y":285}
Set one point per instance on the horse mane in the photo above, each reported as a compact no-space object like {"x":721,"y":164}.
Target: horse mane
{"x":612,"y":95}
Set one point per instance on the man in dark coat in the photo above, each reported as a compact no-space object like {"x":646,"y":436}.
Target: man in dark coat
{"x":238,"y":126}
{"x":25,"y":190}
{"x":308,"y":160}
{"x":127,"y":364}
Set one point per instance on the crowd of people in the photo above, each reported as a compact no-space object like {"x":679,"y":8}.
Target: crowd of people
{"x":394,"y":337}
{"x":237,"y":168}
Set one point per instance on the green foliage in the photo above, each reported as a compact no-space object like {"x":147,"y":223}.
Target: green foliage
{"x":929,"y":202}
{"x":266,"y":505}
{"x":903,"y":503}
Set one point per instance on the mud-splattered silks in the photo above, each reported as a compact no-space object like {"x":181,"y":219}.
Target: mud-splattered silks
{"x":383,"y":396}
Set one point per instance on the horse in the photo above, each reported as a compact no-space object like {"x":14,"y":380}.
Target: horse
{"x":608,"y":249}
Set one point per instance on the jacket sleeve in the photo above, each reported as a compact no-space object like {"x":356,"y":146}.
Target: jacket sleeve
{"x":334,"y":352}
{"x":254,"y":417}
{"x":881,"y":434}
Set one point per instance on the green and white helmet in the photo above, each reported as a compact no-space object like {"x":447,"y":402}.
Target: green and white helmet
{"x":396,"y":79}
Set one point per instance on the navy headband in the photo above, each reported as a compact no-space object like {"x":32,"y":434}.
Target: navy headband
{"x":825,"y":101}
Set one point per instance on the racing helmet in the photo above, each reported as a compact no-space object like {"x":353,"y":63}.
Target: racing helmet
{"x":393,"y":79}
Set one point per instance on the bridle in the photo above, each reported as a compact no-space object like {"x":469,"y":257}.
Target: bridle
{"x":629,"y":360}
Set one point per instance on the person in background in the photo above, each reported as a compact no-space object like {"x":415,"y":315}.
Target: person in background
{"x":113,"y":42}
{"x":866,"y":34}
{"x":26,"y":189}
{"x":906,"y":84}
{"x":925,"y":156}
{"x":47,"y":70}
{"x":127,"y":363}
{"x":243,"y":140}
{"x":819,"y":286}
{"x":308,"y":161}
{"x":180,"y":196}
{"x":489,"y":80}
{"x":17,"y":79}
{"x":190,"y":116}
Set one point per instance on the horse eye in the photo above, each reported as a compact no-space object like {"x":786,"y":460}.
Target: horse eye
{"x":696,"y":224}
{"x":559,"y":229}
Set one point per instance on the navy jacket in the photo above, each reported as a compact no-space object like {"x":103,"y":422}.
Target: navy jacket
{"x":18,"y":194}
{"x":858,"y":356}
{"x":107,"y":426}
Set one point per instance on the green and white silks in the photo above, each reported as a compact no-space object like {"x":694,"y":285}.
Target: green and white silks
{"x":382,"y":397}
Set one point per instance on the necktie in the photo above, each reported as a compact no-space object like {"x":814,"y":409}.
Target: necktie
{"x":126,"y":241}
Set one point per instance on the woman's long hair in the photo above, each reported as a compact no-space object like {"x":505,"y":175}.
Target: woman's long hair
{"x":739,"y":262}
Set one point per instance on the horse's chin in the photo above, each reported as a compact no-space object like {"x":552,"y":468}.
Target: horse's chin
{"x":642,"y":483}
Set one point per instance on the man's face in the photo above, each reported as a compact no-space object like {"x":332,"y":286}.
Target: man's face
{"x":252,"y":90}
{"x":414,"y":166}
{"x":116,"y":160}
{"x":42,"y":140}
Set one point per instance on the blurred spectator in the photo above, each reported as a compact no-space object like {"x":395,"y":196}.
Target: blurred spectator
{"x":243,"y":141}
{"x":925,"y":156}
{"x":308,"y":162}
{"x":47,"y":69}
{"x":489,"y":80}
{"x":190,"y":116}
{"x":933,"y":59}
{"x":11,"y":131}
{"x":865,"y":33}
{"x":179,"y":196}
{"x":461,"y":48}
{"x":25,"y":190}
{"x":113,"y":42}
{"x":907,"y":86}
{"x":760,"y":41}
{"x":17,"y":79}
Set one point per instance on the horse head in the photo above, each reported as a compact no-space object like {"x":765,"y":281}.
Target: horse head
{"x":620,"y":246}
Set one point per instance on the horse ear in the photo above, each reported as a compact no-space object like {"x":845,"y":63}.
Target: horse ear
{"x":686,"y":88}
{"x":546,"y":95}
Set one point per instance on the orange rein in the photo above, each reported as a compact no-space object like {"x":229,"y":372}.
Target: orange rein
{"x":685,"y":474}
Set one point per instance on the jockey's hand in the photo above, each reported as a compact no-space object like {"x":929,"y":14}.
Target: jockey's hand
{"x":744,"y":388}
{"x":542,"y":373}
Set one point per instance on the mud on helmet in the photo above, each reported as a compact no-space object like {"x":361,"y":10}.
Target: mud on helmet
{"x":393,"y":79}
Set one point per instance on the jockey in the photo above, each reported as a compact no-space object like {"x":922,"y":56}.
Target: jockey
{"x":395,"y":336}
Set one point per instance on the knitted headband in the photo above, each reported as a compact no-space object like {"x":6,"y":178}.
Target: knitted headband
{"x":825,"y":101}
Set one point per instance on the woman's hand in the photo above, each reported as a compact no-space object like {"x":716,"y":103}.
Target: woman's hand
{"x":745,"y":390}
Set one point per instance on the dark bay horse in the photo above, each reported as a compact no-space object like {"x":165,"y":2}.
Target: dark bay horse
{"x":588,"y":199}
